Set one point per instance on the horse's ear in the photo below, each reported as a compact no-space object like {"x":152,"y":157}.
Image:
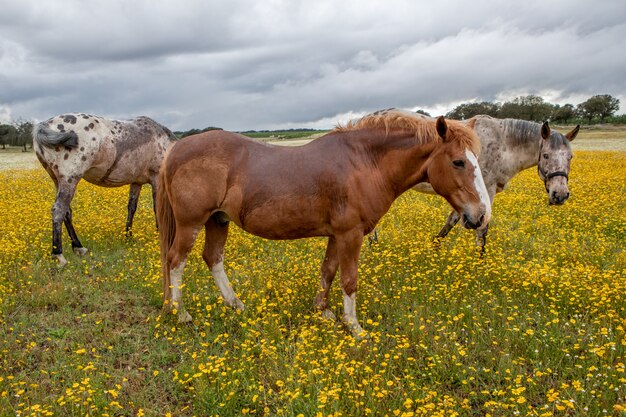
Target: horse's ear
{"x":442,"y":127}
{"x":545,"y":130}
{"x":571,"y":135}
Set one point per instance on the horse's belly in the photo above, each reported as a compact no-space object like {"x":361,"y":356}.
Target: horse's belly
{"x":280,"y":223}
{"x":104,"y":178}
{"x":281,"y":233}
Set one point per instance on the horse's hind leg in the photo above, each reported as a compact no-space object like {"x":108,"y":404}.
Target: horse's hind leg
{"x":348,"y":249}
{"x":452,"y":220}
{"x":60,"y":210}
{"x":77,"y":247}
{"x":133,"y":198}
{"x":216,"y":230}
{"x":176,"y":260}
{"x":328,"y":272}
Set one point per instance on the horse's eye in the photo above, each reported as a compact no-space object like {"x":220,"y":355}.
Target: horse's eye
{"x":546,"y":156}
{"x":569,"y":158}
{"x":459,"y":163}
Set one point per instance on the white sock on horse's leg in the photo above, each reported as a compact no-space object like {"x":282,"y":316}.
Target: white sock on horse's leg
{"x":176,"y":278}
{"x":221,"y":280}
{"x":349,"y":315}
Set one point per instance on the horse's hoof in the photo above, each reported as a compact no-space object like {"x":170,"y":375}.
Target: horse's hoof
{"x":358,"y":332}
{"x":61,"y":261}
{"x":355,"y":328}
{"x":361,"y":336}
{"x":80,"y":251}
{"x":328,"y":315}
{"x":236,"y":304}
{"x":184,"y":317}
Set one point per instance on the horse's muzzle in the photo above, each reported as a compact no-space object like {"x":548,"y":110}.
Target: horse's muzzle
{"x":557,"y":198}
{"x":469,"y":224}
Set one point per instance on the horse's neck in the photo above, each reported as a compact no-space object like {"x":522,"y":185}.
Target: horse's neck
{"x":523,"y":140}
{"x":404,"y":167}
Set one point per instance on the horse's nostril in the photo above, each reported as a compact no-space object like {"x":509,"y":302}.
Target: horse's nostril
{"x":482,"y":219}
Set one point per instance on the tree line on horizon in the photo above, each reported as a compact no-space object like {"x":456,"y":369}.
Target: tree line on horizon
{"x":16,"y":134}
{"x":596,"y":109}
{"x":600,"y":108}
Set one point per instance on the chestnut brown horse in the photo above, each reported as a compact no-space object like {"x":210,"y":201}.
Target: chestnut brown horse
{"x":338,"y":186}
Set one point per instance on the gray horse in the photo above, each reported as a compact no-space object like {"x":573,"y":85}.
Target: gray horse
{"x":509,"y":146}
{"x":108,"y":153}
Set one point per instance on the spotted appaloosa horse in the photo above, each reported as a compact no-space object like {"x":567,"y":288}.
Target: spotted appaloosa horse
{"x":509,"y":146}
{"x":338,"y":186}
{"x":108,"y":153}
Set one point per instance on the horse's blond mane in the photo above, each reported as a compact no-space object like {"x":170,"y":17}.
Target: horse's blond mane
{"x":423,"y":127}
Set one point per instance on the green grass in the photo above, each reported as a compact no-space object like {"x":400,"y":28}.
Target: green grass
{"x":536,"y":327}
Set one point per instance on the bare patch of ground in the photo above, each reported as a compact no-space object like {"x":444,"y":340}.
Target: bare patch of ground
{"x":16,"y":158}
{"x":598,"y":138}
{"x":296,"y":142}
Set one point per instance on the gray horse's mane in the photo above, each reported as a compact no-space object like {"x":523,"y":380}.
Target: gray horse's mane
{"x":522,"y":132}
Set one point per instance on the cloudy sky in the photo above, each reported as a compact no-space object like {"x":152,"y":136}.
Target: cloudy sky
{"x":260,"y":64}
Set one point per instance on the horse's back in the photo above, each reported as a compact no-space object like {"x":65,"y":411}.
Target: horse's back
{"x":108,"y":152}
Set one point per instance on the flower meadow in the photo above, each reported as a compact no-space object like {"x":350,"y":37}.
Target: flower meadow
{"x":535,"y":327}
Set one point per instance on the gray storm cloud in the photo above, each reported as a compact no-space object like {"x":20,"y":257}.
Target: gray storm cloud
{"x":256,"y":65}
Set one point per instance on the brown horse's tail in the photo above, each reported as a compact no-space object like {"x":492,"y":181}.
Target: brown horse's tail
{"x":167,"y":231}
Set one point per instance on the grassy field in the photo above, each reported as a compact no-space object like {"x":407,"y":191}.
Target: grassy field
{"x":537,"y":327}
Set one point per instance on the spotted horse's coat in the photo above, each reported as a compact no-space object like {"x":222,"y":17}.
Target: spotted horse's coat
{"x":108,"y":153}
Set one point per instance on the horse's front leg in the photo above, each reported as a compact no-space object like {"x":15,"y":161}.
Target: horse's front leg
{"x":452,"y":220}
{"x":328,"y":272}
{"x":481,"y":234}
{"x":481,"y":239}
{"x":348,"y":249}
{"x":133,"y":198}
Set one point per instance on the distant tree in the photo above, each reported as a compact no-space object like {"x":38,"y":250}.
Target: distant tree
{"x":563,"y":114}
{"x":468,"y":110}
{"x":8,"y":135}
{"x":602,"y":106}
{"x":512,"y":110}
{"x":24,"y":135}
{"x":530,"y":107}
{"x":425,"y":113}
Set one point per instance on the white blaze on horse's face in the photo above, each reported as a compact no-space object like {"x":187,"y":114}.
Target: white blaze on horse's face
{"x":479,"y":184}
{"x":456,"y":175}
